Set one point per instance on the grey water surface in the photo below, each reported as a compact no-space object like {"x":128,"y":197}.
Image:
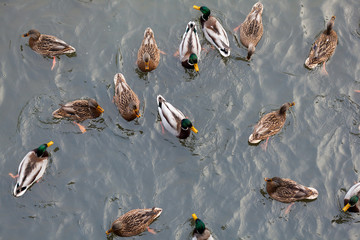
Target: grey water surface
{"x":116,"y":166}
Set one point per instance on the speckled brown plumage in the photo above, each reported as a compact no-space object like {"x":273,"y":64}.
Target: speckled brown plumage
{"x":251,"y":30}
{"x":125,"y":99}
{"x":79,"y":110}
{"x":47,"y":45}
{"x":287,"y":191}
{"x":134,"y":222}
{"x":323,"y":47}
{"x":148,"y":50}
{"x":270,"y":124}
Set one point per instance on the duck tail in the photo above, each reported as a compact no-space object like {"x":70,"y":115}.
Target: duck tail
{"x":251,"y":50}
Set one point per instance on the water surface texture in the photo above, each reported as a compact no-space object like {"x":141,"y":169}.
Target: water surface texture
{"x":117,"y":166}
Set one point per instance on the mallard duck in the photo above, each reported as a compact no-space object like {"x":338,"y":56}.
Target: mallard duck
{"x":173,"y":119}
{"x":200,"y":231}
{"x":270,"y":124}
{"x":323,"y":47}
{"x":190,"y":47}
{"x":214,"y":31}
{"x":47,"y":45}
{"x":286,"y":190}
{"x":79,"y":110}
{"x":251,"y":30}
{"x":351,"y":199}
{"x":134,"y":222}
{"x":31,"y":168}
{"x":125,"y":99}
{"x":149,"y":54}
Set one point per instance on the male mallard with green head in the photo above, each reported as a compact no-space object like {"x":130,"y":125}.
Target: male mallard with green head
{"x":173,"y":119}
{"x":200,"y":231}
{"x":31,"y":169}
{"x":190,"y":47}
{"x":214,"y":31}
{"x":351,"y":199}
{"x":47,"y":45}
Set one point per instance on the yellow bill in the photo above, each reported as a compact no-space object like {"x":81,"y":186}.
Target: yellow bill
{"x":147,"y":66}
{"x":49,"y":143}
{"x":137,"y":113}
{"x":346,"y":207}
{"x":100,"y":108}
{"x":194,"y":216}
{"x":196,"y":67}
{"x":196,"y":7}
{"x":194,"y":129}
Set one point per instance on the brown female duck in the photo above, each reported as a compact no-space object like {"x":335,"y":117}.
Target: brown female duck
{"x":323,"y":47}
{"x":134,"y":222}
{"x":148,"y":57}
{"x":125,"y":99}
{"x":47,"y":45}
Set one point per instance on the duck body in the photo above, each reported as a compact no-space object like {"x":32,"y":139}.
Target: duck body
{"x":190,"y":47}
{"x":286,"y":190}
{"x":47,"y":45}
{"x":173,"y":119}
{"x":148,"y":57}
{"x":351,"y":199}
{"x":270,"y":124}
{"x":31,"y":169}
{"x":79,"y":110}
{"x":251,"y":30}
{"x":134,"y":222}
{"x":323,"y":47}
{"x":201,"y":232}
{"x":214,"y":31}
{"x":125,"y":99}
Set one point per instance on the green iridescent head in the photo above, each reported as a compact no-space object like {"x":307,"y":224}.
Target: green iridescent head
{"x":42,"y":148}
{"x":353,"y":200}
{"x":199,"y":225}
{"x":204,"y":10}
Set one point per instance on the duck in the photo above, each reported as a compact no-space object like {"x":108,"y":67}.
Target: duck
{"x":323,"y":47}
{"x":270,"y":124}
{"x":31,"y":169}
{"x":79,"y":110}
{"x":200,"y":231}
{"x":214,"y":31}
{"x":148,"y":57}
{"x":251,"y":30}
{"x":190,"y":47}
{"x":125,"y":99}
{"x":174,"y":120}
{"x":287,"y":191}
{"x":134,"y":222}
{"x":351,"y":199}
{"x":48,"y":45}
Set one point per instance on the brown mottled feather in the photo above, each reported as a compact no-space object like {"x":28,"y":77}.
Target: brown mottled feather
{"x":323,"y":47}
{"x":79,"y":110}
{"x":125,"y":99}
{"x":134,"y":222}
{"x":149,"y":46}
{"x":286,"y":190}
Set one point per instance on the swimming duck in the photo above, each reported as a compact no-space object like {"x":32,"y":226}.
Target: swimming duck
{"x":286,"y":190}
{"x":351,"y":199}
{"x":214,"y":31}
{"x":79,"y":110}
{"x":149,"y":54}
{"x":323,"y":47}
{"x":200,"y":232}
{"x":251,"y":30}
{"x":190,"y":47}
{"x":134,"y":222}
{"x":270,"y":124}
{"x":47,"y":45}
{"x":31,"y":169}
{"x":125,"y":99}
{"x":173,"y":119}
